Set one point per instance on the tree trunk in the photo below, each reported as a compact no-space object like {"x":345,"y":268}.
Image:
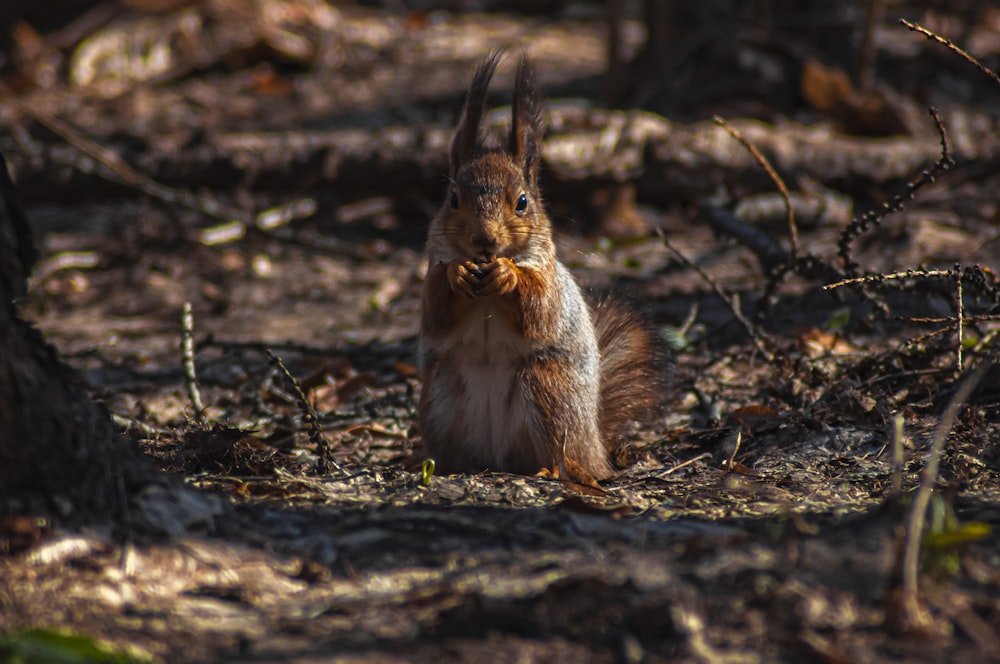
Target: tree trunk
{"x":59,"y":453}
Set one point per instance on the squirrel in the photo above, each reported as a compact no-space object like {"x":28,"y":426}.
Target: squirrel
{"x":519,"y":373}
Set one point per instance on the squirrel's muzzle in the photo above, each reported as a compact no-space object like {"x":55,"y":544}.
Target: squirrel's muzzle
{"x":485,"y":244}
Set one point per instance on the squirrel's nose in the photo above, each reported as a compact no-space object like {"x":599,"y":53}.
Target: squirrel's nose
{"x":487,"y":244}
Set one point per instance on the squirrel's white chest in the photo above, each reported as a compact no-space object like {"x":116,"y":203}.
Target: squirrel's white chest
{"x":485,"y":337}
{"x":487,"y":355}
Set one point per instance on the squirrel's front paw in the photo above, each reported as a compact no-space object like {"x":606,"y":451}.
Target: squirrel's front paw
{"x":464,"y":277}
{"x":498,"y":277}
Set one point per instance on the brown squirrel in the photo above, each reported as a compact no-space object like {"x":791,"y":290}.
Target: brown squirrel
{"x":519,"y":373}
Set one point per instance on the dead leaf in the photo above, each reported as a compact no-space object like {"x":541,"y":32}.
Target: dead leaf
{"x":870,"y":112}
{"x":19,"y":533}
{"x":817,"y":343}
{"x":350,"y":388}
{"x":265,"y":81}
{"x":231,"y":451}
{"x":325,"y":397}
{"x":753,"y":417}
{"x":826,"y":88}
{"x":416,"y":20}
{"x":405,"y":369}
{"x":738,"y":468}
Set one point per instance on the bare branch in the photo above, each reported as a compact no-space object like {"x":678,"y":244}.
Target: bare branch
{"x":758,"y":336}
{"x":879,"y":278}
{"x":793,"y":231}
{"x":875,"y":217}
{"x":951,"y":45}
{"x":190,"y":375}
{"x":309,"y":416}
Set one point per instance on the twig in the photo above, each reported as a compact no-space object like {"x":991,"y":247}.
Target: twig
{"x":132,"y":423}
{"x":685,"y":464}
{"x":309,"y":416}
{"x":107,"y":158}
{"x":190,"y":375}
{"x":117,"y":169}
{"x":924,"y":338}
{"x":897,"y":455}
{"x":980,"y":318}
{"x":689,"y":322}
{"x":956,"y":606}
{"x":918,"y":513}
{"x":984,"y":279}
{"x":951,"y":45}
{"x":756,"y":334}
{"x":736,"y":450}
{"x":987,"y":341}
{"x":793,"y":231}
{"x":807,"y":266}
{"x":961,"y":314}
{"x":956,"y":273}
{"x":879,"y":278}
{"x":874,"y":217}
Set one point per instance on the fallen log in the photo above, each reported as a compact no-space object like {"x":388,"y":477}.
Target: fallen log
{"x":669,"y":162}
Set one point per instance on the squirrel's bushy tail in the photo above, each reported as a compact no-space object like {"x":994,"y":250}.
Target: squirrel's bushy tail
{"x":634,"y":366}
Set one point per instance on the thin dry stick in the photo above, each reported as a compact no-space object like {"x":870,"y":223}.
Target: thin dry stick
{"x":190,"y":375}
{"x":309,"y":416}
{"x":951,"y":45}
{"x":793,"y":230}
{"x":121,"y":170}
{"x":955,"y":273}
{"x":924,"y":338}
{"x":918,"y":513}
{"x":987,"y":341}
{"x":871,"y":218}
{"x":688,"y":323}
{"x":99,"y":153}
{"x":978,"y":318}
{"x":961,"y":313}
{"x":736,"y":450}
{"x":878,"y":278}
{"x":685,"y":464}
{"x":125,"y":174}
{"x":756,"y":334}
{"x":897,"y":455}
{"x":127,"y":423}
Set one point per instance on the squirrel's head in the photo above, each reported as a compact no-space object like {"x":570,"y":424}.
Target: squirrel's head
{"x":493,"y":206}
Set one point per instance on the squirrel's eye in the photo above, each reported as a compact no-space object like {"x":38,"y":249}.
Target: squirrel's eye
{"x":522,"y":203}
{"x":454,"y":201}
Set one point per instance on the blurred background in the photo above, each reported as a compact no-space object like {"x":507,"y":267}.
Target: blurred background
{"x":150,"y":77}
{"x":150,"y":132}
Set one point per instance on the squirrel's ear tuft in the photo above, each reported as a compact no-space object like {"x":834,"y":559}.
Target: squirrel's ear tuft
{"x":526,"y":122}
{"x":468,"y":137}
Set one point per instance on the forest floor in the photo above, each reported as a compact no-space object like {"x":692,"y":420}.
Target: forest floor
{"x":763,"y":517}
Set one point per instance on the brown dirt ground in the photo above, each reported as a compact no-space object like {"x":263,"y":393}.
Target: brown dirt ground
{"x":755,"y":521}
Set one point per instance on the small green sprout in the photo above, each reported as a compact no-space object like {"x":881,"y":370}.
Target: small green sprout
{"x":427,"y":471}
{"x":945,"y":534}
